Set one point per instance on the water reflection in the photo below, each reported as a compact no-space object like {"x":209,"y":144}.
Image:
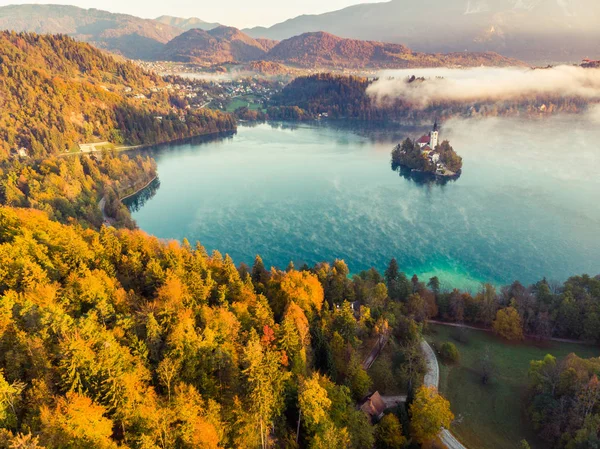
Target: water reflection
{"x":372,"y":132}
{"x":183,"y":144}
{"x":421,"y":178}
{"x":135,"y":202}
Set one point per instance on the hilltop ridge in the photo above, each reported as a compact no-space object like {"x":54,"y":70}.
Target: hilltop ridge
{"x":532,"y":30}
{"x":124,"y":34}
{"x":187,"y":24}
{"x":216,"y":46}
{"x":321,"y":49}
{"x":313,"y":50}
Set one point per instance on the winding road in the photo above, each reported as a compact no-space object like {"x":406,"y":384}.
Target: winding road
{"x":432,"y":379}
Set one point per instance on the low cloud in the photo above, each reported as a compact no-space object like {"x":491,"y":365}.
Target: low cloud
{"x":485,"y":84}
{"x":594,"y":113}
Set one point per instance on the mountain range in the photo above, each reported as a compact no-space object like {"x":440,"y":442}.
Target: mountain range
{"x":187,"y":24}
{"x":127,"y":35}
{"x":312,"y":50}
{"x":532,"y":30}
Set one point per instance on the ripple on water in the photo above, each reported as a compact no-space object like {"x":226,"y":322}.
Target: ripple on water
{"x":524,"y":208}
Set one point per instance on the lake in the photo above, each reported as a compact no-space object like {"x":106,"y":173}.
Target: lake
{"x":525,"y":207}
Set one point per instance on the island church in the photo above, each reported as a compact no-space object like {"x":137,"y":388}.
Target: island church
{"x":429,"y":142}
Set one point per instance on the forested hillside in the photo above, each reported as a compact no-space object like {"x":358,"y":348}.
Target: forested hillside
{"x":69,"y":189}
{"x":313,"y":50}
{"x":56,"y":92}
{"x":116,"y":339}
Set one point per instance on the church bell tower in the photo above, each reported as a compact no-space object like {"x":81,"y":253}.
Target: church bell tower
{"x":434,"y":136}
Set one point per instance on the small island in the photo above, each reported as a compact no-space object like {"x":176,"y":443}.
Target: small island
{"x":426,"y":156}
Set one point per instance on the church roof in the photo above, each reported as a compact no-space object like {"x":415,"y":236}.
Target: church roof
{"x":424,"y":139}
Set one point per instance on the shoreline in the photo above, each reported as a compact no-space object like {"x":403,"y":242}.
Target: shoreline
{"x":139,"y":190}
{"x":102,"y":202}
{"x":124,"y":148}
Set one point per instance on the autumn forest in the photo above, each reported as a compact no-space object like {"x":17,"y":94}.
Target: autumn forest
{"x":112,"y":338}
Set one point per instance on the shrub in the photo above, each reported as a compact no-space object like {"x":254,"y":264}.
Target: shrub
{"x":449,"y":352}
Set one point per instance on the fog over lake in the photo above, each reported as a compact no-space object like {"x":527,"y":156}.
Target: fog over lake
{"x":526,"y":206}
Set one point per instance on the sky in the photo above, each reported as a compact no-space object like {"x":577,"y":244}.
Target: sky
{"x":238,"y":13}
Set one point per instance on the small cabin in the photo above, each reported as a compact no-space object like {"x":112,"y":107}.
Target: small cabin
{"x":374,"y":406}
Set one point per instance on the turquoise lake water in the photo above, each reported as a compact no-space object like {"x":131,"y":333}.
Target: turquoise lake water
{"x":526,"y":206}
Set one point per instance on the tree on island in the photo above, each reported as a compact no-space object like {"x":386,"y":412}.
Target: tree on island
{"x":449,"y":157}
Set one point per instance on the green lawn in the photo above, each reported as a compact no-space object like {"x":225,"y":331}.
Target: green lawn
{"x":492,"y":416}
{"x":240,"y":102}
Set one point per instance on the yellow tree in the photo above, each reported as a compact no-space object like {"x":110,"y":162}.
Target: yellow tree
{"x":388,"y":434}
{"x":382,"y":329}
{"x":508,"y":324}
{"x":200,"y":426}
{"x":76,"y":423}
{"x":429,"y":413}
{"x":295,"y":337}
{"x":9,"y":394}
{"x":304,"y":289}
{"x":314,"y":403}
{"x":265,"y":378}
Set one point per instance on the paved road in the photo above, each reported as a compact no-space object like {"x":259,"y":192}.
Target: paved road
{"x":432,"y":376}
{"x":432,"y":379}
{"x":393,"y":401}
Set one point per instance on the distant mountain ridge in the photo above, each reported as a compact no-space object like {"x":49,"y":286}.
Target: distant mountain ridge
{"x":120,"y":33}
{"x":322,"y":49}
{"x":165,"y":39}
{"x":216,"y":46}
{"x":187,"y":24}
{"x":534,"y":30}
{"x":312,"y":50}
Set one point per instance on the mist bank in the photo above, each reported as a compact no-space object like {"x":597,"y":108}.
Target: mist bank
{"x":423,"y":88}
{"x":435,"y":95}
